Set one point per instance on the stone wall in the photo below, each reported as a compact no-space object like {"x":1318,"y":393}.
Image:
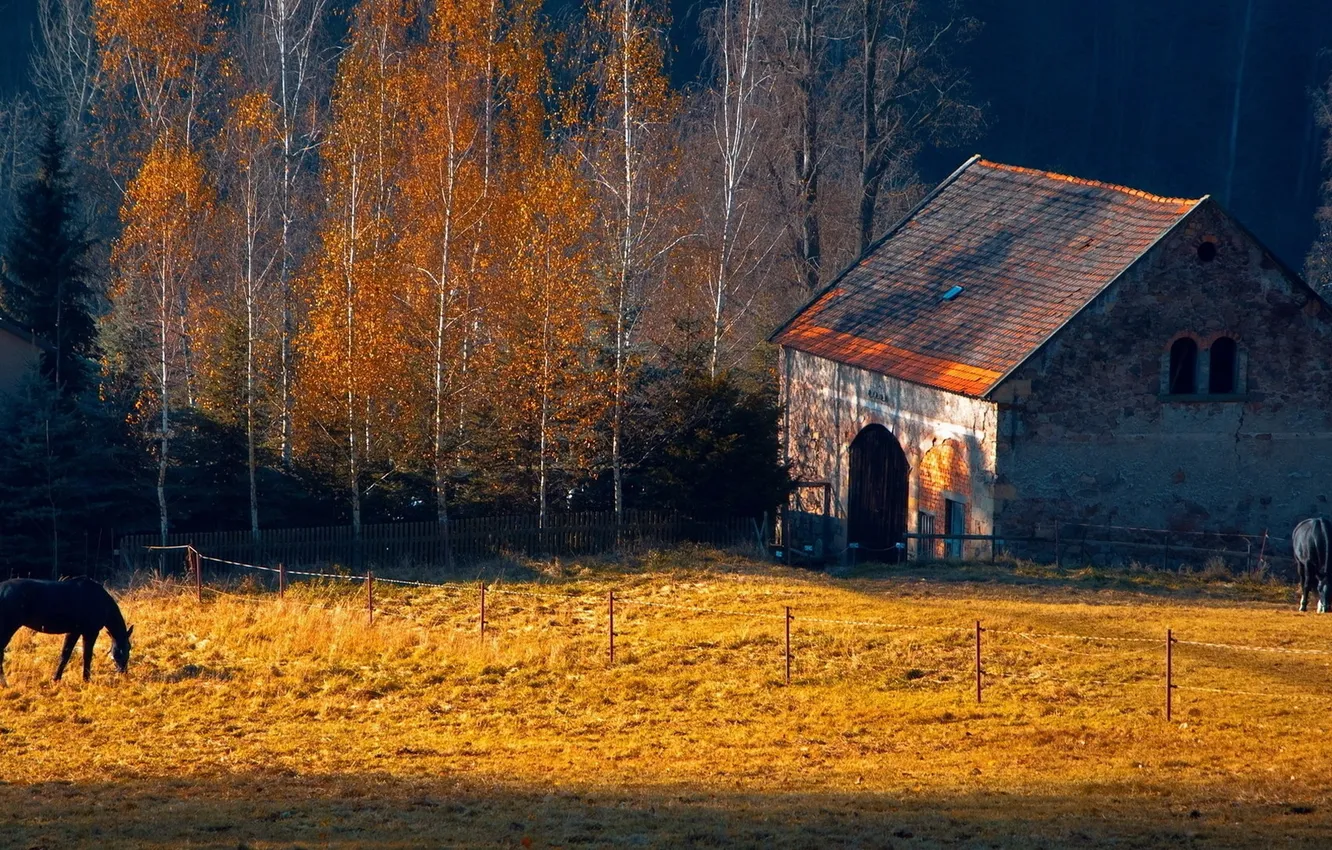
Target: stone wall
{"x":948,"y":439}
{"x":1089,"y":432}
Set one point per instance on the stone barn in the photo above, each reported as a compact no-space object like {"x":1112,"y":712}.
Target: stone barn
{"x":1027,"y":348}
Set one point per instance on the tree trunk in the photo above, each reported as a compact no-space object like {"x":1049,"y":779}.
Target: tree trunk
{"x":807,"y":156}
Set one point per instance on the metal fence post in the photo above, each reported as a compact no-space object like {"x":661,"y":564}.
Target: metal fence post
{"x":788,"y":644}
{"x":282,"y":580}
{"x":370,"y":594}
{"x":978,"y":661}
{"x":197,"y":563}
{"x":483,"y":609}
{"x":1170,"y":683}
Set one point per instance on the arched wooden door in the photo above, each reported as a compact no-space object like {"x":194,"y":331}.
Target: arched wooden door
{"x":877,"y":501}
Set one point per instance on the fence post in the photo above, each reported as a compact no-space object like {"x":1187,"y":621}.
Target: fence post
{"x":197,"y":563}
{"x":1170,"y":683}
{"x":1262,"y":551}
{"x":610,"y":630}
{"x":1056,"y":525}
{"x":370,"y":594}
{"x":788,"y":644}
{"x":483,"y":609}
{"x":978,"y":662}
{"x":282,"y":580}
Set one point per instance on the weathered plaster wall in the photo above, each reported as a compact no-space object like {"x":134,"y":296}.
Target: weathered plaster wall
{"x":951,"y":437}
{"x":1088,"y":433}
{"x":17,"y":357}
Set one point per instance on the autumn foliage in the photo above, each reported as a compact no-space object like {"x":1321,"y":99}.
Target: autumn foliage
{"x":411,"y":258}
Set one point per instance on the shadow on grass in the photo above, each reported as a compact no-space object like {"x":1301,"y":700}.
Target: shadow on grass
{"x":1148,"y":581}
{"x":381,"y":811}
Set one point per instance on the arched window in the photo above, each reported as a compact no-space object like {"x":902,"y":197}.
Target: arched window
{"x":1221,"y":367}
{"x":1183,"y":367}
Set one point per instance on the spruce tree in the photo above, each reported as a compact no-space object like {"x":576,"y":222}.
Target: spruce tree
{"x":44,"y":277}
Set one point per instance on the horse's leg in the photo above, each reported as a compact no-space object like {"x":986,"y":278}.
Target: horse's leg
{"x":64,"y":655}
{"x":1322,"y":593}
{"x":88,"y":641}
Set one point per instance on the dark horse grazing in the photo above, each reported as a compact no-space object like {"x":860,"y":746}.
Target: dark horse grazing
{"x":73,"y":608}
{"x":1310,"y":543}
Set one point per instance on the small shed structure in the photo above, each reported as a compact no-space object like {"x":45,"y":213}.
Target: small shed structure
{"x":1027,"y":347}
{"x":20,"y":352}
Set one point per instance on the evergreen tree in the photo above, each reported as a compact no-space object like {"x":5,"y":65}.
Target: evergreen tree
{"x":70,"y":472}
{"x":44,"y":279}
{"x":710,"y":446}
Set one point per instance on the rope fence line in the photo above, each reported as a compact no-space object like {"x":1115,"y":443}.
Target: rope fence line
{"x":1267,"y":694}
{"x":1239,"y":648}
{"x":195,"y":559}
{"x":1055,"y":636}
{"x":1034,"y":639}
{"x":699,"y":609}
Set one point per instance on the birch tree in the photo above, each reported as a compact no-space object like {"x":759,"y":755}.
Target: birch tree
{"x":154,"y":55}
{"x":626,"y":150}
{"x":446,"y":201}
{"x":351,"y":342}
{"x":250,"y":135}
{"x":741,"y":235}
{"x":67,"y":65}
{"x":290,"y":71}
{"x":165,"y":209}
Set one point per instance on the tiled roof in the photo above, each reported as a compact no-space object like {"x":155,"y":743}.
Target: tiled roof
{"x":1029,"y":249}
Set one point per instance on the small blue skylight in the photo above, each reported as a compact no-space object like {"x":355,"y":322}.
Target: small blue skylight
{"x":952,"y":293}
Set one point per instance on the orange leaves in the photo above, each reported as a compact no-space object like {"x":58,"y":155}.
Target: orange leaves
{"x":354,"y":371}
{"x":152,"y":50}
{"x":164,"y":207}
{"x":252,"y":124}
{"x":154,"y":263}
{"x":168,"y":32}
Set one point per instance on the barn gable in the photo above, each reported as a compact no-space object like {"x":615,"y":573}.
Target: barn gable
{"x":987,"y":268}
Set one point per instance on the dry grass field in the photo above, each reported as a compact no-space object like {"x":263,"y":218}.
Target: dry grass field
{"x":249,"y":722}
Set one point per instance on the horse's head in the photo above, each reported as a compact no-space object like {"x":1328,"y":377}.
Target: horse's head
{"x":120,"y":651}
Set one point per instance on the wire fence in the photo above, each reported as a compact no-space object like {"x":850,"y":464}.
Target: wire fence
{"x":1112,"y":545}
{"x":459,"y":542}
{"x":808,"y":537}
{"x":991,"y":662}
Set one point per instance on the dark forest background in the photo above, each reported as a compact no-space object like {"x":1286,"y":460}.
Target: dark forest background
{"x":1176,"y":97}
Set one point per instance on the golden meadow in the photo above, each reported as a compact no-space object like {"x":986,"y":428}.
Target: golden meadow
{"x":249,"y":721}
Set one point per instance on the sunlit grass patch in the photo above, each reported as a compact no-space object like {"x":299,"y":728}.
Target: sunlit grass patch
{"x":243,"y":686}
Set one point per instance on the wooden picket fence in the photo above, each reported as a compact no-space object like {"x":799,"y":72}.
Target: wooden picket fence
{"x":471,"y":540}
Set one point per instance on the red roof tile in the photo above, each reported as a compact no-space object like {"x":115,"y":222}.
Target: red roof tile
{"x":1029,"y":249}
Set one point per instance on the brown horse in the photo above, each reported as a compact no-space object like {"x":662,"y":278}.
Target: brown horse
{"x":75,"y":608}
{"x":1310,"y":542}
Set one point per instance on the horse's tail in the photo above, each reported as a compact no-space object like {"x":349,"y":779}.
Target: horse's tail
{"x":1320,"y":546}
